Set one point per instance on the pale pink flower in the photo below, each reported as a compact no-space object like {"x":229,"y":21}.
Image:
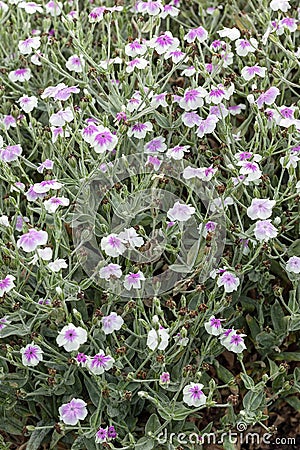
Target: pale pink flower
{"x":264,"y":230}
{"x":153,"y":8}
{"x":133,"y":280}
{"x":54,"y":8}
{"x":268,"y":97}
{"x":260,"y":208}
{"x":293,"y":264}
{"x":180,"y":212}
{"x":31,"y":240}
{"x":207,"y":125}
{"x":62,"y":117}
{"x":111,"y":271}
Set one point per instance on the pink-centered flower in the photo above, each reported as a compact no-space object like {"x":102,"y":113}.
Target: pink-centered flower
{"x":32,"y":354}
{"x":139,"y":130}
{"x":214,"y":326}
{"x":199,"y":34}
{"x":28,"y":45}
{"x":75,"y":63}
{"x":136,"y":63}
{"x":193,"y":395}
{"x":20,"y":75}
{"x":249,"y":72}
{"x":6,"y":284}
{"x":104,"y":140}
{"x":100,"y":363}
{"x":243,"y":46}
{"x":71,"y":337}
{"x":113,"y":245}
{"x":135,"y":48}
{"x":164,"y":43}
{"x":177,"y":152}
{"x":229,"y":281}
{"x":133,"y":280}
{"x":192,"y":99}
{"x":28,"y":103}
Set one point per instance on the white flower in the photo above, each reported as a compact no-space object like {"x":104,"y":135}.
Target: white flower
{"x":71,"y":337}
{"x":281,"y":5}
{"x":57,"y":265}
{"x":158,"y":339}
{"x":232,"y":33}
{"x":28,"y":103}
{"x":62,"y":117}
{"x":131,"y":236}
{"x":4,"y":221}
{"x":293,"y":264}
{"x":45,"y":253}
